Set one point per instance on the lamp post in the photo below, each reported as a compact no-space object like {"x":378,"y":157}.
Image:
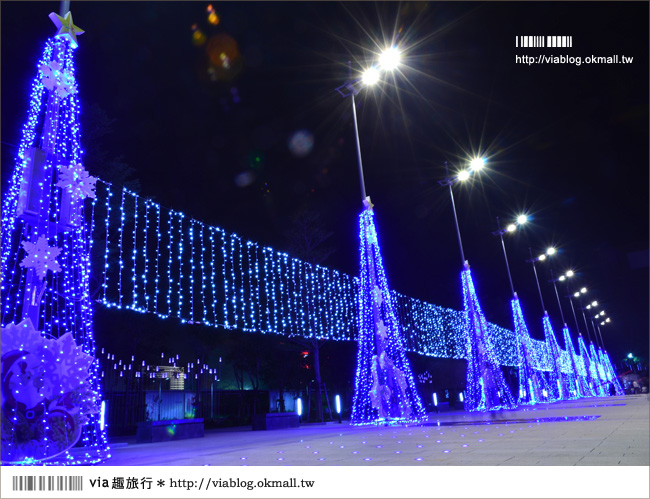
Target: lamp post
{"x":475,"y":165}
{"x":388,"y":60}
{"x":563,"y":277}
{"x":521,"y":219}
{"x":549,"y":252}
{"x":486,"y":388}
{"x":379,"y":327}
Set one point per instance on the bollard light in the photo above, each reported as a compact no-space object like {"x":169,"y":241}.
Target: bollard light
{"x":102,"y":416}
{"x":299,"y":407}
{"x":338,"y":406}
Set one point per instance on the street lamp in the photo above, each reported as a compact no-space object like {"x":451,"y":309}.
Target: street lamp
{"x":388,"y":61}
{"x":476,"y":165}
{"x":563,"y":277}
{"x":549,"y":252}
{"x":521,"y":219}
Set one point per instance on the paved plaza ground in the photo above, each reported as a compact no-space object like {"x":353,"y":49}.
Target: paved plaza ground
{"x":604,"y":431}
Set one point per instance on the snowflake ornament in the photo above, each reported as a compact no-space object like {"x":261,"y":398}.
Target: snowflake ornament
{"x":77,"y":181}
{"x":41,"y":257}
{"x":55,"y":79}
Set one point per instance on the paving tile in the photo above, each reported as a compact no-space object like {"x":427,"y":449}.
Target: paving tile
{"x":619,"y":436}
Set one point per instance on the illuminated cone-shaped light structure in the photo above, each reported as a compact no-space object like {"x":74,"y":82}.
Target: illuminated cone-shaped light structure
{"x":611,"y":374}
{"x":384,"y":384}
{"x":532,"y":385}
{"x":52,"y":411}
{"x":581,"y":386}
{"x":486,"y":388}
{"x":604,"y":382}
{"x":556,"y":381}
{"x":590,"y":368}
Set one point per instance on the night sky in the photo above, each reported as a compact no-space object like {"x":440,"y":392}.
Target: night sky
{"x":210,"y":136}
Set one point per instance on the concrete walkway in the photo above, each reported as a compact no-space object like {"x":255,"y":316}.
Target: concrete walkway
{"x":594,"y":431}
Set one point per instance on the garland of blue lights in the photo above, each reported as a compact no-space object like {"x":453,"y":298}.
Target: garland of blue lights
{"x":41,"y":203}
{"x":533,"y":388}
{"x":384,"y":387}
{"x":486,"y":389}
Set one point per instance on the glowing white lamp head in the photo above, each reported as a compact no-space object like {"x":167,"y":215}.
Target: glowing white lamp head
{"x":608,"y":320}
{"x":389,"y":59}
{"x":583,"y":290}
{"x":594,"y":303}
{"x":551,"y":251}
{"x":522,"y":219}
{"x":576,"y":294}
{"x":561,"y":278}
{"x":542,"y":257}
{"x":511,"y":228}
{"x":569,"y":273}
{"x":477,"y":163}
{"x":463,"y":175}
{"x":370,"y":76}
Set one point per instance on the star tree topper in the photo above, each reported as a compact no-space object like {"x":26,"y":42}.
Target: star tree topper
{"x":66,"y":28}
{"x":41,"y":257}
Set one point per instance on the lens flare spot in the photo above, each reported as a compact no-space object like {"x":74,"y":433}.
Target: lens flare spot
{"x":244,"y":179}
{"x":301,"y":143}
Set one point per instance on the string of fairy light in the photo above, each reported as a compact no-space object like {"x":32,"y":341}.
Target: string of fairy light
{"x":239,"y":284}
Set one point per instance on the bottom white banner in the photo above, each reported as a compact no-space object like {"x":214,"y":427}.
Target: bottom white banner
{"x":325,"y":482}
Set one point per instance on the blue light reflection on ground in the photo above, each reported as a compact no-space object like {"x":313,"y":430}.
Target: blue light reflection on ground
{"x":513,"y":421}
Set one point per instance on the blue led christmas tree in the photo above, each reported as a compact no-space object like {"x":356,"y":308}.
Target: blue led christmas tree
{"x":558,"y":387}
{"x":384,"y":385}
{"x":590,"y":368}
{"x":609,"y":369}
{"x":581,"y":386}
{"x":532,"y":385}
{"x":604,"y":382}
{"x":486,"y":388}
{"x":51,"y":402}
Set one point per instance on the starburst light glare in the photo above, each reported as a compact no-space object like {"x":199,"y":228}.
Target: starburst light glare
{"x":522,"y":219}
{"x":551,"y":251}
{"x":511,"y":228}
{"x":389,"y":59}
{"x":570,"y":273}
{"x":477,"y":164}
{"x":370,"y":76}
{"x":463,"y":175}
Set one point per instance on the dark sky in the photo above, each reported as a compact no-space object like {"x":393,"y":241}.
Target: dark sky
{"x":566,"y":143}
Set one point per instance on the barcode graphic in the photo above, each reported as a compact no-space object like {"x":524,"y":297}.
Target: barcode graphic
{"x":543,"y":41}
{"x":33,"y":482}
